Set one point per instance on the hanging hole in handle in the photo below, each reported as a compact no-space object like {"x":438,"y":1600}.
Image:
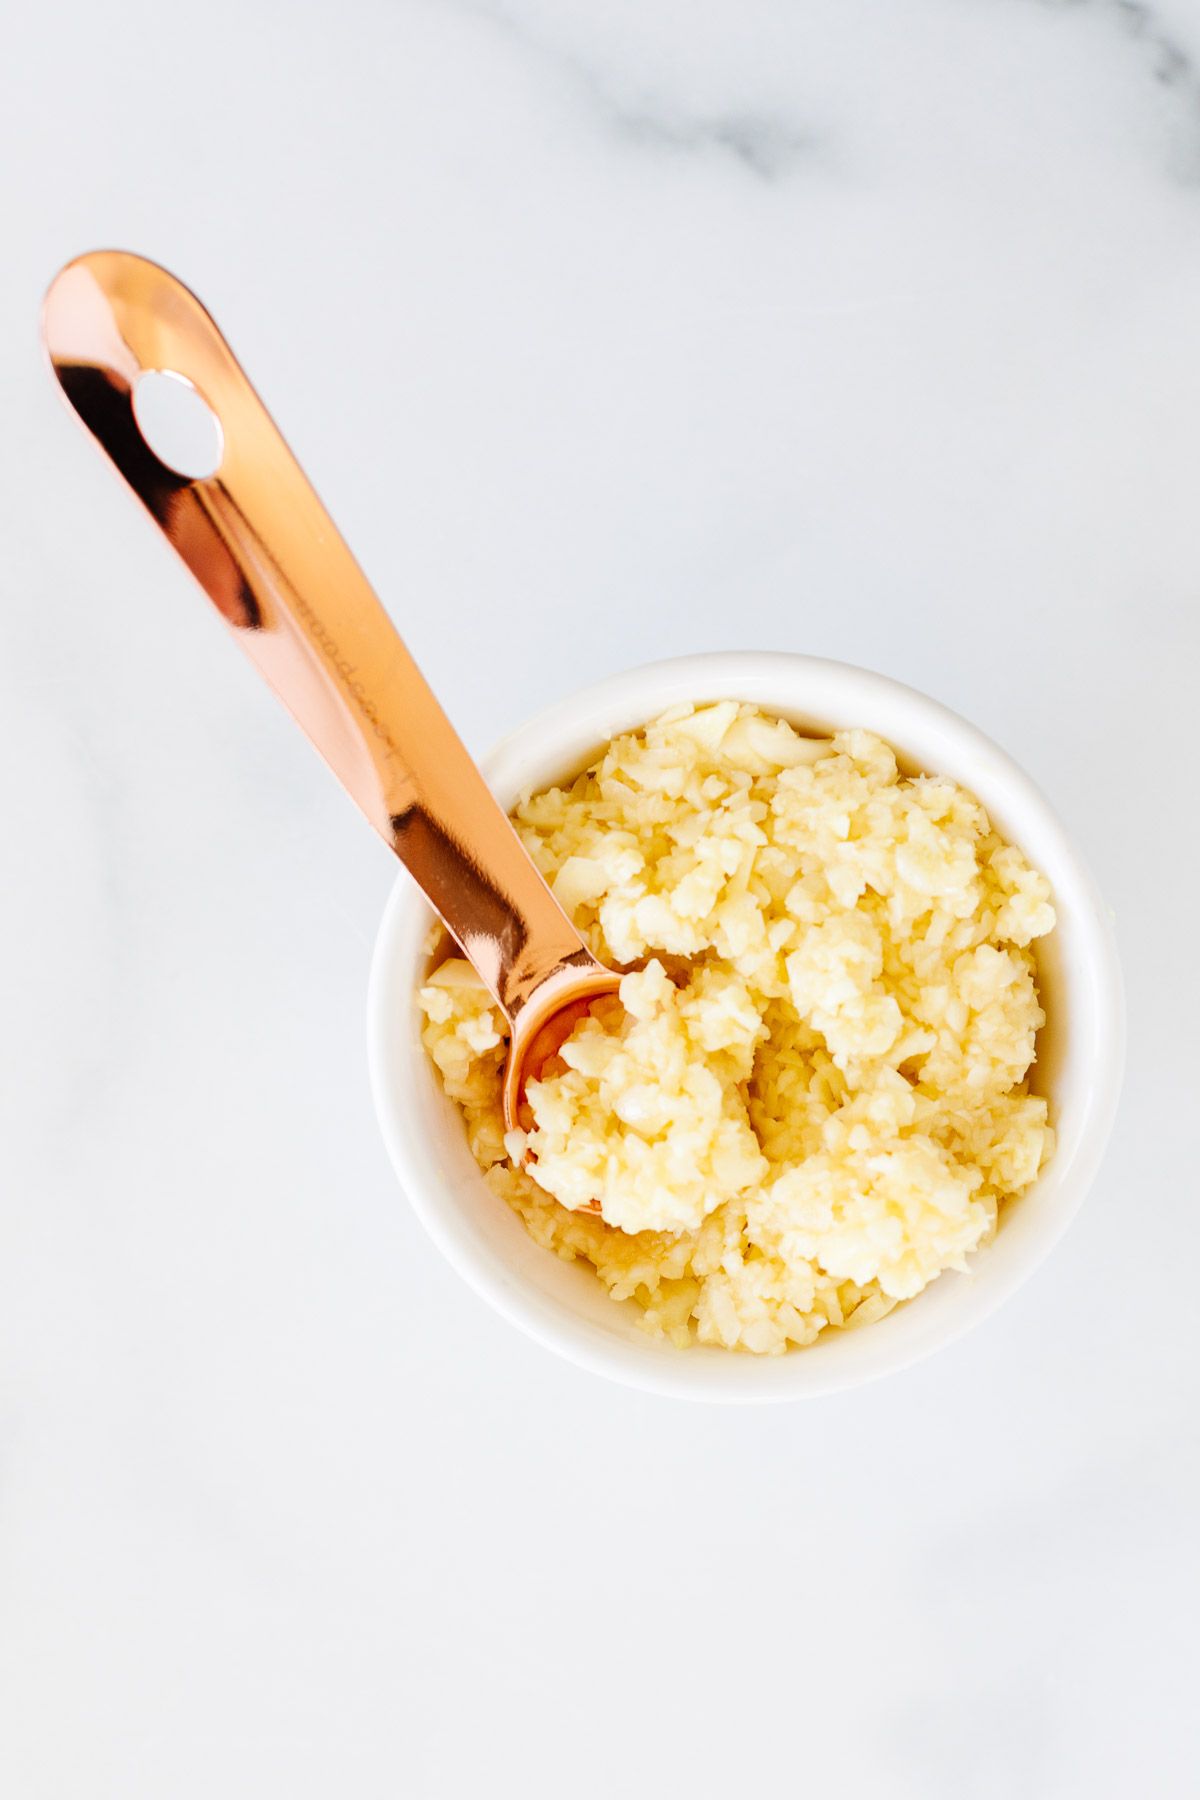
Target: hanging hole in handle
{"x":178,"y":423}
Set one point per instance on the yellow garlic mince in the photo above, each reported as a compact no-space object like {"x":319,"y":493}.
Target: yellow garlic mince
{"x":813,"y":1097}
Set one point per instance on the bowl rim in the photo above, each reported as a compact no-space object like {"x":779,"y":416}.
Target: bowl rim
{"x":645,"y":691}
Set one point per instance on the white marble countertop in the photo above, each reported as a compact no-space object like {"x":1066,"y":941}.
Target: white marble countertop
{"x":608,"y":331}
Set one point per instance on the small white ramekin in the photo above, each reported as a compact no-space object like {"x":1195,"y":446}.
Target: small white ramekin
{"x":563,"y":1305}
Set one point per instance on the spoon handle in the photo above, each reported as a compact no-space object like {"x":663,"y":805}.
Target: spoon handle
{"x":260,"y":543}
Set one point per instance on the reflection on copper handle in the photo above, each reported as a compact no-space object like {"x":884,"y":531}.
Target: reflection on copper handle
{"x":266,"y":552}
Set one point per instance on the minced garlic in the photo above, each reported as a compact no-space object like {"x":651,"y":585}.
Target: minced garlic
{"x":812,"y":1099}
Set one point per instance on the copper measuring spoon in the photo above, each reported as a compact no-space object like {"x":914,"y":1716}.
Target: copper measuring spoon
{"x":269,"y":557}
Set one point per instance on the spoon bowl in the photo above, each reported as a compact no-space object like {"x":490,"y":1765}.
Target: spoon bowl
{"x":542,"y":1029}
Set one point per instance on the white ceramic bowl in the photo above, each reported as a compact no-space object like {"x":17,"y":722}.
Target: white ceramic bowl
{"x":563,"y":1305}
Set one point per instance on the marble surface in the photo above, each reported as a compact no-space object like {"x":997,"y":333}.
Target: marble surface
{"x":608,"y":331}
